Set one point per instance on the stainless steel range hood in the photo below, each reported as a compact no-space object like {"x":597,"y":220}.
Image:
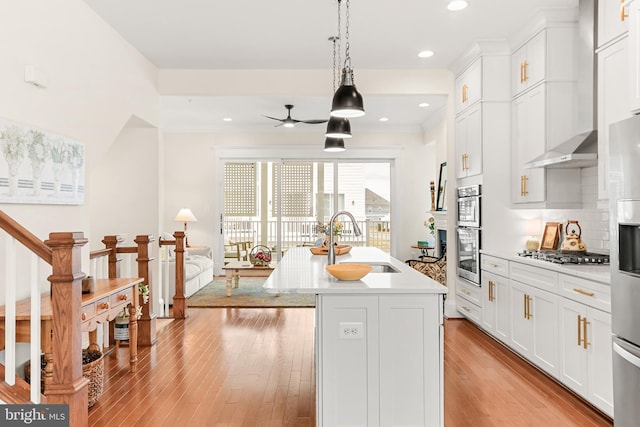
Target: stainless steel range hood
{"x":581,"y":150}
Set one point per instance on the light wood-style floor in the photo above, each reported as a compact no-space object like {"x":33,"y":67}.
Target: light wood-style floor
{"x":254,"y":367}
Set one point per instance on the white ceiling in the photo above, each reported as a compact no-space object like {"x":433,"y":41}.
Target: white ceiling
{"x":293,"y":34}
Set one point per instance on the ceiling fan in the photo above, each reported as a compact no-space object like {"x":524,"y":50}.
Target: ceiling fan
{"x":289,"y":122}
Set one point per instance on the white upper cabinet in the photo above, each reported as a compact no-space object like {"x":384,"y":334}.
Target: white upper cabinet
{"x":613,"y":21}
{"x":547,"y":56}
{"x":613,"y":103}
{"x":469,"y":142}
{"x":528,"y":64}
{"x":469,"y":86}
{"x":634,"y":56}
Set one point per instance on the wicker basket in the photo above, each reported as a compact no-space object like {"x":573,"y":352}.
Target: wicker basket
{"x":260,"y":256}
{"x":93,"y":371}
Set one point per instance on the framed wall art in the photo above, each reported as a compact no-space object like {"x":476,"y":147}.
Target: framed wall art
{"x":39,"y":167}
{"x":442,"y":188}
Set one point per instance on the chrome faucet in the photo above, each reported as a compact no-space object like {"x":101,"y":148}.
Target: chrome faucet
{"x":356,"y":230}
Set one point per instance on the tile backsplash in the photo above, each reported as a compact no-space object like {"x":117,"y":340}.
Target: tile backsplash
{"x":593,"y":221}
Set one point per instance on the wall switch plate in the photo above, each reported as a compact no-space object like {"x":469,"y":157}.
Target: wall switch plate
{"x":351,"y":330}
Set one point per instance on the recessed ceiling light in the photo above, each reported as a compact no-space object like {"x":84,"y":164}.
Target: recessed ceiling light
{"x":423,"y":104}
{"x":227,"y":119}
{"x":384,"y":119}
{"x":425,"y":54}
{"x":456,"y":5}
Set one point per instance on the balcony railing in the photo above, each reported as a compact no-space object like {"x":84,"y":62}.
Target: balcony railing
{"x":304,"y":233}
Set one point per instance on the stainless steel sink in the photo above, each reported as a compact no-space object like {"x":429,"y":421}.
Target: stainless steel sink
{"x":377,"y":267}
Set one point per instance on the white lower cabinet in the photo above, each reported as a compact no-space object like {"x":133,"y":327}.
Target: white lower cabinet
{"x":469,"y":300}
{"x":559,"y":322}
{"x":379,"y":360}
{"x":585,"y":353}
{"x":534,"y":315}
{"x":495,"y":305}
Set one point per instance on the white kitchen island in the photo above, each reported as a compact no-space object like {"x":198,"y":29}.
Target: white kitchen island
{"x":379,"y":340}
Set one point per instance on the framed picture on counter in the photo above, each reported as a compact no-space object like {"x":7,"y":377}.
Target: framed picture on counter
{"x":551,"y":236}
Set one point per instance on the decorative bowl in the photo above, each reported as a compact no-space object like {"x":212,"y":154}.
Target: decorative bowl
{"x":348,"y":271}
{"x":324,"y":250}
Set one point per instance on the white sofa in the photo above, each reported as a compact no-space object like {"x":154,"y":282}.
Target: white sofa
{"x":198,"y":271}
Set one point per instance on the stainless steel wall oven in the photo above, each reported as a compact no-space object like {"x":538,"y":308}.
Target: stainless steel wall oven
{"x":468,"y":233}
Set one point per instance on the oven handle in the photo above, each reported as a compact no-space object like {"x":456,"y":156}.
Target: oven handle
{"x":626,"y":355}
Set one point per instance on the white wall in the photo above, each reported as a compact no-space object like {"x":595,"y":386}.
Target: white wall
{"x":190,"y":176}
{"x":96,"y":83}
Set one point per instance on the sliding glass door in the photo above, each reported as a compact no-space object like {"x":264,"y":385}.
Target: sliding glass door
{"x":283,"y":204}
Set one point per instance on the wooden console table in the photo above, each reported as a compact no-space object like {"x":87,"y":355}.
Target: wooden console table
{"x":108,"y":300}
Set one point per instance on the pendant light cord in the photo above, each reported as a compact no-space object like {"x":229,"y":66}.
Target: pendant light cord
{"x":347,"y":57}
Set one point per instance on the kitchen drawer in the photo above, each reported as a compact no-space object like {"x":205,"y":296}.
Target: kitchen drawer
{"x":470,"y":292}
{"x":470,"y":310}
{"x":593,"y":294}
{"x":538,"y":277}
{"x":495,"y":265}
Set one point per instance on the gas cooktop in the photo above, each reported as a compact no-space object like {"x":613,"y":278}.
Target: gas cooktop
{"x":558,"y":257}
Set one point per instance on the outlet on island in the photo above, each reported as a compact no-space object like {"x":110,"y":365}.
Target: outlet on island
{"x":351,"y":330}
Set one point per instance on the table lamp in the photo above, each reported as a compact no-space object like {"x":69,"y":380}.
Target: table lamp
{"x":185,"y":215}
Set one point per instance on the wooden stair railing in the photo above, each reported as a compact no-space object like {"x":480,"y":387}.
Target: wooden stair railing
{"x":146,"y":322}
{"x":63,"y":252}
{"x":179,"y":300}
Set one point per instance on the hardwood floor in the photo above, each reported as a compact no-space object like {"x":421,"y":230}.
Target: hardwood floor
{"x":254,"y":367}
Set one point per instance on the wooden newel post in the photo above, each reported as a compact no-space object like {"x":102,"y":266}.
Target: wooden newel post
{"x":68,"y":385}
{"x":147,"y":322}
{"x":179,"y":300}
{"x":112,"y":242}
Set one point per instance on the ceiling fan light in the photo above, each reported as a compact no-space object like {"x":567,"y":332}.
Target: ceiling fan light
{"x":289,"y":125}
{"x":347,"y":101}
{"x":334,"y":145}
{"x":338,"y":127}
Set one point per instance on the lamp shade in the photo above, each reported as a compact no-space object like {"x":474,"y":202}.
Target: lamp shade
{"x":347,"y":101}
{"x":338,"y":127}
{"x":185,"y":215}
{"x":334,"y":145}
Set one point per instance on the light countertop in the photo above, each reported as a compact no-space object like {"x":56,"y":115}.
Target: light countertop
{"x":301,"y":271}
{"x":595,"y":272}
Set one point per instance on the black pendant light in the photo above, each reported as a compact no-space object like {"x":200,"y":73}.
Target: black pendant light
{"x":334,"y":145}
{"x":347,"y":101}
{"x":338,"y":127}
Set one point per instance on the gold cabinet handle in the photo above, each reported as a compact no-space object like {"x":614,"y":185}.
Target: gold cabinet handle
{"x":465,"y":308}
{"x":585,"y":341}
{"x":521,"y":72}
{"x":524,"y":185}
{"x":464,"y":291}
{"x":524,"y":67}
{"x":464,"y":93}
{"x":622,"y":14}
{"x":583,"y":292}
{"x":492,"y":296}
{"x":528,"y":302}
{"x":525,"y":306}
{"x":579,"y":330}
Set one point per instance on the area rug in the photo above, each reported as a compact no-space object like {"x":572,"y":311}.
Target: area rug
{"x":248,"y":294}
